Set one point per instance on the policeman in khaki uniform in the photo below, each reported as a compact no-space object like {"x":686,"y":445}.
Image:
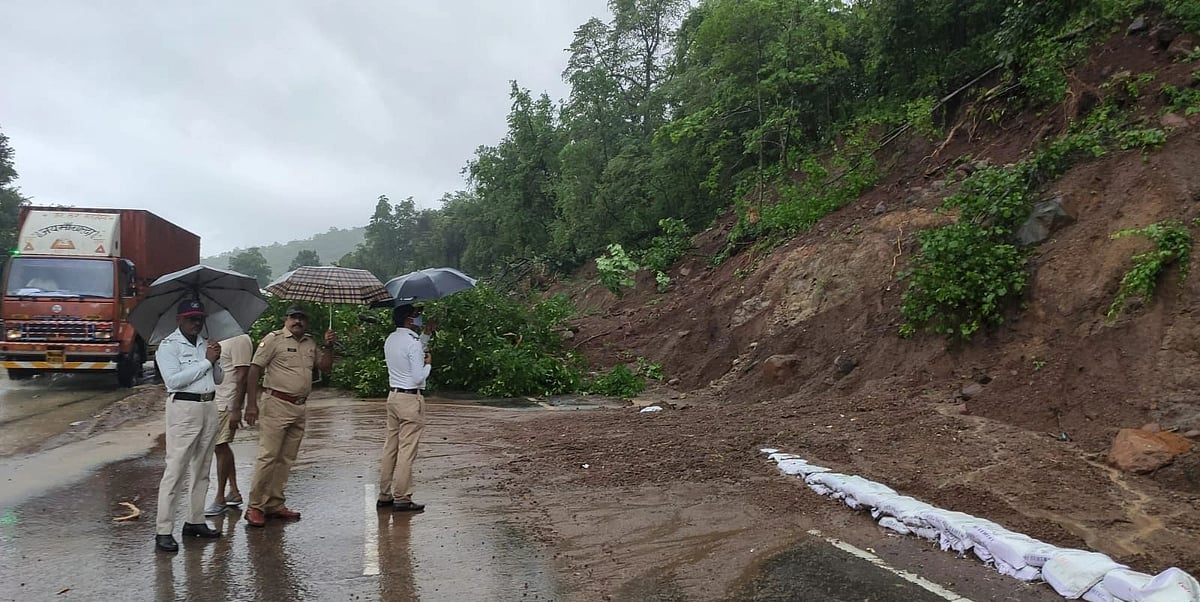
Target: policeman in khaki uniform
{"x":285,"y":358}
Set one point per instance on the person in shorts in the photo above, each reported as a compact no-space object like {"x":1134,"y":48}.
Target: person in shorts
{"x":231,"y":396}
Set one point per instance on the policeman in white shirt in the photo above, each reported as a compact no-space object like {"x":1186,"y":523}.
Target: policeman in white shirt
{"x":408,"y":366}
{"x":189,"y":369}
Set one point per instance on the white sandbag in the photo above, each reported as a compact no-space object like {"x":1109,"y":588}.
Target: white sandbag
{"x":1026,"y":573}
{"x":1005,"y":545}
{"x":1170,"y":585}
{"x":954,"y":527}
{"x":820,"y":489}
{"x":905,"y":509}
{"x":982,"y":553}
{"x":925,"y":533}
{"x":1124,"y":583}
{"x":796,"y":466}
{"x":1041,"y":555}
{"x":1098,"y":593}
{"x":1073,"y":572}
{"x":893,"y":524}
{"x":854,"y":490}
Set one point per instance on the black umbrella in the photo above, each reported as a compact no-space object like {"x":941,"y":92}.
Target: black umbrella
{"x":233,"y":302}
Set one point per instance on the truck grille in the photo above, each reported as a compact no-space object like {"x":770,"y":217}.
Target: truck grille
{"x":64,"y":331}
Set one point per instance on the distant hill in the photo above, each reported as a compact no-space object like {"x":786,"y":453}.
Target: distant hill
{"x":330,"y":246}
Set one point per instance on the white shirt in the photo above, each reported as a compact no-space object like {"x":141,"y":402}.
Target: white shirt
{"x":184,"y":367}
{"x":236,"y":352}
{"x":405,"y":357}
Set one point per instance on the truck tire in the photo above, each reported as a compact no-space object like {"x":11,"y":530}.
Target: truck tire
{"x":129,"y":367}
{"x":20,"y":374}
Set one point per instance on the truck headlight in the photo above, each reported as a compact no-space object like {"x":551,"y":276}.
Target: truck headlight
{"x":13,"y":334}
{"x":103,"y":335}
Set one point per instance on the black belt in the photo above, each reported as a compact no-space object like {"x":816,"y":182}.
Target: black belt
{"x":185,"y":396}
{"x":409,"y":391}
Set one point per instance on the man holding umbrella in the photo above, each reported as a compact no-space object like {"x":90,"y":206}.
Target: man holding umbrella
{"x":189,"y":369}
{"x":286,"y":359}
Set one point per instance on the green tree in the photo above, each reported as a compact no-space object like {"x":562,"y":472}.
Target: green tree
{"x":252,"y":263}
{"x":10,"y":197}
{"x":513,"y":203}
{"x":305,"y":257}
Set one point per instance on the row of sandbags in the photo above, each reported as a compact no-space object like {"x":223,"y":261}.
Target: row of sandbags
{"x":1074,"y":574}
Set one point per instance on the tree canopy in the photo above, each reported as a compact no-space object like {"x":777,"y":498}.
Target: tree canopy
{"x":10,"y":197}
{"x":252,"y":263}
{"x":305,"y":257}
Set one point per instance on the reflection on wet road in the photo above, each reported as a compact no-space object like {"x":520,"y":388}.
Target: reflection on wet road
{"x":461,"y":548}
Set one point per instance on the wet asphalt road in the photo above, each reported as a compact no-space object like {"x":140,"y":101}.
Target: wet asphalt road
{"x":58,"y":542}
{"x":35,"y":409}
{"x":64,"y":545}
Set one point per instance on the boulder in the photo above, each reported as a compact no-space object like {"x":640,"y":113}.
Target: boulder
{"x":1141,"y":451}
{"x":1173,"y":121}
{"x":1181,"y":47}
{"x":1139,"y":25}
{"x":970,"y":391}
{"x":1047,"y":216}
{"x":845,"y":364}
{"x":779,"y":368}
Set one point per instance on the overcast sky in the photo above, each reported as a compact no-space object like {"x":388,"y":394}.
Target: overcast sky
{"x":270,"y":120}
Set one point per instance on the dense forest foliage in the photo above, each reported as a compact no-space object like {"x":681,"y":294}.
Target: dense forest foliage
{"x":770,"y":108}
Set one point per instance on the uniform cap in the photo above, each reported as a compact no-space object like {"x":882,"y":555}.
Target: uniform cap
{"x":191,"y":307}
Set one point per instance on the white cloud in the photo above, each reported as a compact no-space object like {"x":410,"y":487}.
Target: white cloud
{"x":250,"y":123}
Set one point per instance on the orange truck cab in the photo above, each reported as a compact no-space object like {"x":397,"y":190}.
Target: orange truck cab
{"x":73,"y":279}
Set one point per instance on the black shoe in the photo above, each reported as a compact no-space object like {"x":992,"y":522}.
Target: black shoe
{"x":407,"y":507}
{"x":383,"y":504}
{"x":166,"y":543}
{"x":199,"y":530}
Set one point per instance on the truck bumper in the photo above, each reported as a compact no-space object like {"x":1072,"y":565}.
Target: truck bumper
{"x":64,"y":366}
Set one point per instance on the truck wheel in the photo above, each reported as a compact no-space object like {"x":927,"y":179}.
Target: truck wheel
{"x":129,"y":368}
{"x":20,"y":374}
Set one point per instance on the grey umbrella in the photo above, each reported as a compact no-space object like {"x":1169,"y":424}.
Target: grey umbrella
{"x":427,"y":285}
{"x":233,"y":302}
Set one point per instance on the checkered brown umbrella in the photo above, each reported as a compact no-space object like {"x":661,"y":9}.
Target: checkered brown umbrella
{"x":329,"y":284}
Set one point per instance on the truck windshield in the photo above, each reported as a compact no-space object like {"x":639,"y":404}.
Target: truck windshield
{"x":60,"y":277}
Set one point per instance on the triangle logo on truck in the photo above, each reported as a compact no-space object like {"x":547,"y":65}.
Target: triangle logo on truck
{"x":28,"y":246}
{"x":62,"y":244}
{"x":100,"y":249}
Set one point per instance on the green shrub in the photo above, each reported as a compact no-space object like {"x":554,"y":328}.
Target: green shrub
{"x":501,"y":346}
{"x":1172,"y":246}
{"x":620,"y":381}
{"x":961,"y":281}
{"x":616,"y":269}
{"x":668,"y":247}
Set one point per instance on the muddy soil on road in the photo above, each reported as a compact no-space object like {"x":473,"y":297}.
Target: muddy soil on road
{"x":700,"y":463}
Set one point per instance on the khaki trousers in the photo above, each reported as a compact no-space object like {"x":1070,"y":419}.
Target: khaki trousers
{"x":405,"y":421}
{"x":280,"y":430}
{"x":191,"y":436}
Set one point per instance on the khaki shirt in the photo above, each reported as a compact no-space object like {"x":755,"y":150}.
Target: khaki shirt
{"x":287,"y":364}
{"x":235,"y":353}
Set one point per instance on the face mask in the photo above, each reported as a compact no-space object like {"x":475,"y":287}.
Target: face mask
{"x":418,"y":322}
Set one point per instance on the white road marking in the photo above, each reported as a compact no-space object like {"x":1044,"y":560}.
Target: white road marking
{"x":905,"y":575}
{"x":371,"y":532}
